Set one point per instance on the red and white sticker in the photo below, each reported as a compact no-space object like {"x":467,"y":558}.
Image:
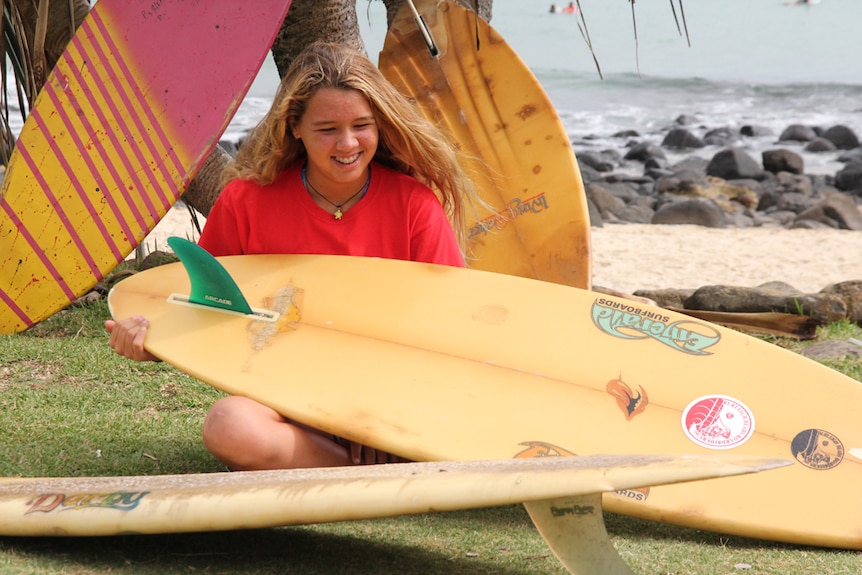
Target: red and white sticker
{"x":718,"y":422}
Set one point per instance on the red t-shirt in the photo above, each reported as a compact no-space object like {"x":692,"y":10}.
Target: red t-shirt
{"x":398,"y":218}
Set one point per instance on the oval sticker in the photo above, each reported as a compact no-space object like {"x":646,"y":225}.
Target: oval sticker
{"x":718,"y":422}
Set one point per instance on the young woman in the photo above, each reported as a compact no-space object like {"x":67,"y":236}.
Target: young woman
{"x":341,"y":164}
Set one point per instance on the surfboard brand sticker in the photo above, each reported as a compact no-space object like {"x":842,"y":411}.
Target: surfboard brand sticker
{"x":117,"y":500}
{"x":639,"y":495}
{"x":817,"y":449}
{"x":718,"y":422}
{"x":541,"y":449}
{"x":573,"y":510}
{"x":627,"y":321}
{"x":514,"y":209}
{"x":631,"y":402}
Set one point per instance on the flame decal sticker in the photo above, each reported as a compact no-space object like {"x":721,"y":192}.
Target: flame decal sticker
{"x":630,"y":402}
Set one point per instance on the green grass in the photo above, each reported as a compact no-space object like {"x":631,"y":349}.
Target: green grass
{"x":69,"y":406}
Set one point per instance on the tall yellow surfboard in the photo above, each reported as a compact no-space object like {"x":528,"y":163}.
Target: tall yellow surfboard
{"x":439,"y":363}
{"x":535,"y":222}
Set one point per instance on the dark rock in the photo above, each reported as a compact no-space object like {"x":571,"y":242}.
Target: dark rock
{"x":797,"y":133}
{"x":606,"y":203}
{"x":843,"y":137}
{"x":755,"y":131}
{"x":88,"y":298}
{"x":657,"y":164}
{"x":626,"y":134}
{"x":596,"y":161}
{"x":734,"y":164}
{"x":820,"y":145}
{"x":851,"y":293}
{"x":635,"y":213}
{"x":157,"y":258}
{"x":613,"y":156}
{"x":823,"y":307}
{"x":644,"y":151}
{"x":850,"y":177}
{"x":719,"y":137}
{"x":794,"y":184}
{"x":693,"y":165}
{"x":782,"y":160}
{"x":779,"y":218}
{"x":624,"y":190}
{"x":836,"y":211}
{"x":741,"y":219}
{"x":832,"y":349}
{"x":657,"y":174}
{"x":595,"y":214}
{"x":588,"y":174}
{"x":681,"y":138}
{"x":685,"y":120}
{"x":667,"y":297}
{"x":809,"y":225}
{"x":854,"y":155}
{"x":787,"y":192}
{"x":794,"y":202}
{"x":695,"y":211}
{"x":678,"y":183}
{"x":753,"y":185}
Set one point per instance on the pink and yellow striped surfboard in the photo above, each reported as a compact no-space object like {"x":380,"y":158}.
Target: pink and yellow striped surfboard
{"x":135,"y":104}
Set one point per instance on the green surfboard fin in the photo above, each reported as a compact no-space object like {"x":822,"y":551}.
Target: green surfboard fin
{"x":212,"y":285}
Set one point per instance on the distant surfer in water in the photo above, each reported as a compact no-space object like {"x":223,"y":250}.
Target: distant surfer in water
{"x":570,"y":9}
{"x":342,"y":164}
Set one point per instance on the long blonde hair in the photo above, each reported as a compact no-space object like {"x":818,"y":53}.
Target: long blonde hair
{"x":408,"y":142}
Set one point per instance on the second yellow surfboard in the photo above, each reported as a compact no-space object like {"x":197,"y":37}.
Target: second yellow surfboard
{"x":536,"y":222}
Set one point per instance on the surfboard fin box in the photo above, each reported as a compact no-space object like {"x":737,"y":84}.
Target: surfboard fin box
{"x":212,"y":285}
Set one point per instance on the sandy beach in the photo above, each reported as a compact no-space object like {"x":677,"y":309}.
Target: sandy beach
{"x":632,"y":257}
{"x":629,"y":257}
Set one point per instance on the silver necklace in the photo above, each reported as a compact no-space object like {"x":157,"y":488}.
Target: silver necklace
{"x":338,"y":213}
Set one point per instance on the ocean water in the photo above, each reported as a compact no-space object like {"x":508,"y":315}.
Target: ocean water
{"x":759,"y":62}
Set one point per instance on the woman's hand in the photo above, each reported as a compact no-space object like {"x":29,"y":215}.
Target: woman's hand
{"x":127,"y":338}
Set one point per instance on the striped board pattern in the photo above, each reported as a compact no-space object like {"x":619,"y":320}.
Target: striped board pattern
{"x":133,"y":107}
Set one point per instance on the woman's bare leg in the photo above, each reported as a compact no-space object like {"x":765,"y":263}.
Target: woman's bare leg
{"x":246,"y":435}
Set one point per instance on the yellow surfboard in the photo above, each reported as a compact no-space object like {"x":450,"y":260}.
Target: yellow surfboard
{"x":133,"y":107}
{"x":98,"y":506}
{"x":439,"y":363}
{"x":536,"y":222}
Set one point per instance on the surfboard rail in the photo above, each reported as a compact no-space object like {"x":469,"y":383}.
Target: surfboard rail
{"x":573,"y":525}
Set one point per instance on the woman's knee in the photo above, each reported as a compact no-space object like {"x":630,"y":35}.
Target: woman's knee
{"x":235,"y":426}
